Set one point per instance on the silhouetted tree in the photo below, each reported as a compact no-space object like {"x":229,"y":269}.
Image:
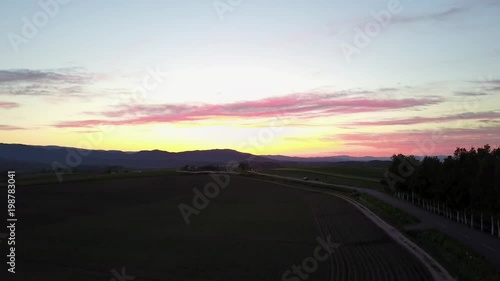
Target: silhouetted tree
{"x":243,"y":166}
{"x":470,"y":179}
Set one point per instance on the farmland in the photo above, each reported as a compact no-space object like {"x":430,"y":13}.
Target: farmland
{"x":253,"y":230}
{"x":368,"y":175}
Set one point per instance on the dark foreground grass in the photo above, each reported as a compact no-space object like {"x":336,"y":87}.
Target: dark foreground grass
{"x":461,"y":262}
{"x":252,"y":230}
{"x":392,"y":215}
{"x":83,"y":230}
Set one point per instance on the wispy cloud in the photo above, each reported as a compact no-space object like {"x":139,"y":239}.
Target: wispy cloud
{"x":487,"y":82}
{"x":9,"y":128}
{"x":68,"y":82}
{"x":447,"y":13}
{"x":304,"y":106}
{"x":388,"y":89}
{"x":490,"y":115}
{"x":442,"y":15}
{"x":451,"y":12}
{"x":8,"y":105}
{"x":431,"y":142}
{"x":470,"y":94}
{"x":490,"y":85}
{"x":27,"y":75}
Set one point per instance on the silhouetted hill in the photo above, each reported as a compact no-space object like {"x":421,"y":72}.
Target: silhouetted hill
{"x":38,"y":157}
{"x":330,"y":159}
{"x":32,"y":158}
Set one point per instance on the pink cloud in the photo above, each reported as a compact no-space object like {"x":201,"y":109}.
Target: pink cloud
{"x":296,"y":105}
{"x":431,"y":16}
{"x":8,"y":105}
{"x":438,"y":142}
{"x":491,"y":115}
{"x":9,"y":128}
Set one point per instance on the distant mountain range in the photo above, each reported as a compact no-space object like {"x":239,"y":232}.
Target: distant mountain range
{"x":332,"y":159}
{"x":31,"y":158}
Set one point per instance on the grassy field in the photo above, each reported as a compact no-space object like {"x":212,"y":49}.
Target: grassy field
{"x":373,"y":170}
{"x":49,"y":178}
{"x":390,"y":214}
{"x":355,"y":176}
{"x":253,"y":230}
{"x":461,"y":262}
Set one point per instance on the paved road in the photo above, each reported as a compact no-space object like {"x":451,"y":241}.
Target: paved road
{"x":482,"y":243}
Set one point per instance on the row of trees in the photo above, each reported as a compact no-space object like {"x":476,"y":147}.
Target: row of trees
{"x":242,"y":166}
{"x":470,"y":179}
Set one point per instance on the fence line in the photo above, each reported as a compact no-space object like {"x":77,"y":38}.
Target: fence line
{"x":485,"y":223}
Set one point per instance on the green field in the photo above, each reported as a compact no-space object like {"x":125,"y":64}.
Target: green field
{"x":362,"y":174}
{"x":390,"y":214}
{"x":462,"y":262}
{"x":48,"y":178}
{"x":371,"y":170}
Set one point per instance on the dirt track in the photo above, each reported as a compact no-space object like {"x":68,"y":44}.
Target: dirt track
{"x":251,"y":231}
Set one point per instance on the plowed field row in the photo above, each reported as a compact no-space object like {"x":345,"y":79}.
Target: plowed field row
{"x":366,"y":253}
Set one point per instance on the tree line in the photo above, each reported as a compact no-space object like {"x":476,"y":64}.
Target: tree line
{"x":468,"y":180}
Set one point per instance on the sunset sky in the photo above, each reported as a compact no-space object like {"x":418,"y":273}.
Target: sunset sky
{"x":292,"y":77}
